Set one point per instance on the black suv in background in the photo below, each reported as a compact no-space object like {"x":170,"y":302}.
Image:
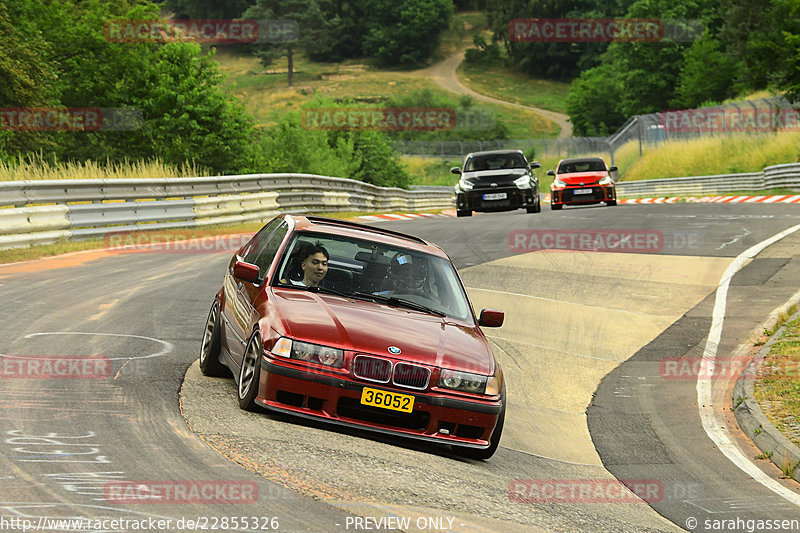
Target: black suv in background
{"x":497,"y":180}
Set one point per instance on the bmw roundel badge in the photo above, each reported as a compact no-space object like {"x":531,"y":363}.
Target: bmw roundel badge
{"x":394,"y":350}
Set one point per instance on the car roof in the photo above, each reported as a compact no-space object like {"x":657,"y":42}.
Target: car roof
{"x":348,"y":228}
{"x":495,"y":152}
{"x":581,"y":160}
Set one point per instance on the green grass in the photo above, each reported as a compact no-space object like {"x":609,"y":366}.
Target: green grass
{"x":35,"y":168}
{"x":777,"y":387}
{"x":265,"y":93}
{"x":500,"y":82}
{"x":707,"y":156}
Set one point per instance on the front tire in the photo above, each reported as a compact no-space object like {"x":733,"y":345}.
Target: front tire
{"x":249,"y":373}
{"x":463,"y":213}
{"x":536,"y":208}
{"x":611,"y":203}
{"x":555,"y":207}
{"x":211,"y":346}
{"x":494,"y":440}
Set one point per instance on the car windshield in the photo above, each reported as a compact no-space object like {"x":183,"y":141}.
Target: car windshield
{"x":581,"y":166}
{"x":374,"y":271}
{"x":495,"y":162}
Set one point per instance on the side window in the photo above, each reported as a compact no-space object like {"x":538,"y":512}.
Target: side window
{"x":259,"y":241}
{"x":267,"y":254}
{"x":263,"y":252}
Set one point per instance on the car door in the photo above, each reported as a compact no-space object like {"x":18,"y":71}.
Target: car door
{"x":236,"y":312}
{"x":249,"y":291}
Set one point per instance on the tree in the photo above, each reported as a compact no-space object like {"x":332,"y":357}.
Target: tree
{"x":707,"y":74}
{"x":208,"y":9}
{"x":404,"y":33}
{"x":307,"y":15}
{"x":553,"y":60}
{"x":593,"y":101}
{"x":174,"y":86}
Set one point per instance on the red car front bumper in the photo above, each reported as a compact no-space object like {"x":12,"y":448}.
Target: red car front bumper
{"x":336,"y":399}
{"x":568,"y":196}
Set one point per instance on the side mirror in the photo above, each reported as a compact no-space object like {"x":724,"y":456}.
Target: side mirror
{"x":551,"y":173}
{"x":536,"y":164}
{"x":455,"y":170}
{"x":491,"y":318}
{"x":612,"y":169}
{"x":245,"y":271}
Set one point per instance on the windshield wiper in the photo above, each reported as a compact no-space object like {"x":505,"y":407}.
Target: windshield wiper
{"x":327,"y":290}
{"x":398,"y":302}
{"x":324,"y":290}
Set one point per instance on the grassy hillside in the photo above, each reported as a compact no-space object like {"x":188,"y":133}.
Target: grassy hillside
{"x":707,"y":156}
{"x":265,"y":93}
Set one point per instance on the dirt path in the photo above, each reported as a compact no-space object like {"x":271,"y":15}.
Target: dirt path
{"x":444,"y":73}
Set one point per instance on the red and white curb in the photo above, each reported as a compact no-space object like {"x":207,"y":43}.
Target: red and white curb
{"x":773,"y":199}
{"x":405,"y":216}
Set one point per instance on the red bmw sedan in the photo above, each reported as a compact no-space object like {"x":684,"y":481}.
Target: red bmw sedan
{"x":358,"y":326}
{"x":580,"y":181}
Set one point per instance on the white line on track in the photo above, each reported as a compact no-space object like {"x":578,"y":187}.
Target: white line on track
{"x":712,"y":424}
{"x":164,"y":351}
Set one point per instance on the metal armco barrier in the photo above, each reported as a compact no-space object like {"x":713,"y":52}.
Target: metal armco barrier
{"x":46,"y":211}
{"x":785,"y":176}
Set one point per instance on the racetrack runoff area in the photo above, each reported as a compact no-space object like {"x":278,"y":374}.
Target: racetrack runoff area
{"x":576,"y":316}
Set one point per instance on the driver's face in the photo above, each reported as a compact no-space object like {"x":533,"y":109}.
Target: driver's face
{"x":315,"y":266}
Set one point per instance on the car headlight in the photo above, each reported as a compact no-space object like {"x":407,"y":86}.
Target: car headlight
{"x":464,"y":185}
{"x":558,"y":183}
{"x":605,"y":181}
{"x":465,"y":381}
{"x":305,"y":351}
{"x":523,"y":182}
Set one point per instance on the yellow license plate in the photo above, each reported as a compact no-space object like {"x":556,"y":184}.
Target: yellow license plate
{"x":387,"y":400}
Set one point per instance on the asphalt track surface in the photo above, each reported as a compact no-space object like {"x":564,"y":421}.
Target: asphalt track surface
{"x":584,"y":338}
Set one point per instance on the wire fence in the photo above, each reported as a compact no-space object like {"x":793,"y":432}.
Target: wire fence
{"x":751,"y":117}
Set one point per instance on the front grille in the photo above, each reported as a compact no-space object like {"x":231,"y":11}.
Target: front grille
{"x":372,"y":368}
{"x":352,"y":408}
{"x":597,"y":194}
{"x":411,"y":376}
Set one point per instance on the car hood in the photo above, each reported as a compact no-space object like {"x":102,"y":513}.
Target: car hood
{"x":586,"y":178}
{"x":368,"y":327}
{"x":500,"y":176}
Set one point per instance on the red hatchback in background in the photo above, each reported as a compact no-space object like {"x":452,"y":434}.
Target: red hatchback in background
{"x":582,"y":180}
{"x":358,"y":326}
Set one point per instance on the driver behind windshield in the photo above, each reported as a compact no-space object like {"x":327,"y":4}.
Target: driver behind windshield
{"x":313,"y":264}
{"x":407,"y":275}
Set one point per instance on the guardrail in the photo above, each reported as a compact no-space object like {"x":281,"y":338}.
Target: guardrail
{"x":786,"y":176}
{"x":46,"y":211}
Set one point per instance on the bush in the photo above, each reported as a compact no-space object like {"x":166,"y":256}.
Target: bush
{"x":361,"y":155}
